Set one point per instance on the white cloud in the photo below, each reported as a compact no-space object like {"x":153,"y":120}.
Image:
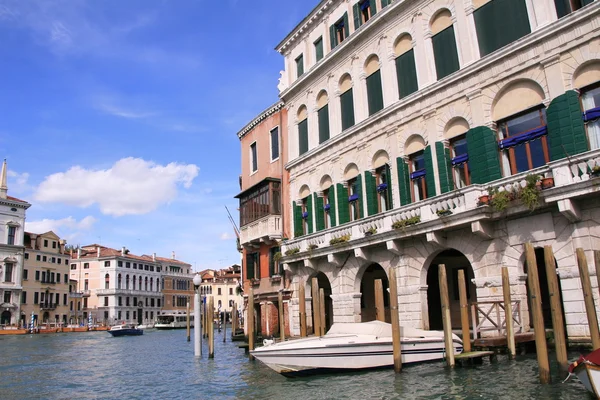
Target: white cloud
{"x":227,"y":236}
{"x":123,"y":112}
{"x":17,"y":183}
{"x":130,"y":186}
{"x":65,"y":226}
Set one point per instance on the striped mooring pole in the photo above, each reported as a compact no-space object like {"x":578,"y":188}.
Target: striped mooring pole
{"x":90,"y":322}
{"x":31,"y":326}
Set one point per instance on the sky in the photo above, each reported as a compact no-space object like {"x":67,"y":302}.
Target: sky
{"x":119,"y":118}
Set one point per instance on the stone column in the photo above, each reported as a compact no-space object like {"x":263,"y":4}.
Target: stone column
{"x":389,"y":81}
{"x":471,"y":35}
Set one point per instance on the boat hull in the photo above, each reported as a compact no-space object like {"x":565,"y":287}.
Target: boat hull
{"x":589,"y":375}
{"x":126,"y":332}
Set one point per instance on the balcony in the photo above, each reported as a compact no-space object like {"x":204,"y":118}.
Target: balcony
{"x":127,"y":292}
{"x":263,"y":230}
{"x":574,"y":178}
{"x":48,"y":306}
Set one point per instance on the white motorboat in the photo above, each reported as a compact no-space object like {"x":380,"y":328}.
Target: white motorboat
{"x":352,"y":346}
{"x":587,"y":369}
{"x":173,"y":321}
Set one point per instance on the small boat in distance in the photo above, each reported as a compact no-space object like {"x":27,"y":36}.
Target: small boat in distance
{"x":587,"y":369}
{"x":173,"y":321}
{"x":125,"y":330}
{"x":352,"y":347}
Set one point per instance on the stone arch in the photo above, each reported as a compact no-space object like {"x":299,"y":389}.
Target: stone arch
{"x":586,"y":74}
{"x":456,"y":127}
{"x":515,"y":97}
{"x":345,"y":83}
{"x":371,"y":64}
{"x":351,"y":171}
{"x":380,"y":158}
{"x":452,"y":112}
{"x":402,"y":44}
{"x":369,"y":273}
{"x":322,"y":98}
{"x":578,"y":58}
{"x":325,"y":283}
{"x":326,"y":182}
{"x":303,"y":192}
{"x":440,"y":20}
{"x":413,"y":144}
{"x":302,"y":113}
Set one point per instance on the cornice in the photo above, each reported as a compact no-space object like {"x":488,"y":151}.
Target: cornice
{"x":261,"y":117}
{"x":7,"y":202}
{"x":314,"y":17}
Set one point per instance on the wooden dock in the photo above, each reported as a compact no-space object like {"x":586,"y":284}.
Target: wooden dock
{"x":474,"y":357}
{"x":500,"y":341}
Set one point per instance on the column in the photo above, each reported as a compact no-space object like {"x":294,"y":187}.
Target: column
{"x":471,"y":35}
{"x":389,"y":79}
{"x":428,"y":61}
{"x":554,"y":77}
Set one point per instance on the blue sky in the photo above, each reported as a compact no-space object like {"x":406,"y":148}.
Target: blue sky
{"x":118,"y":119}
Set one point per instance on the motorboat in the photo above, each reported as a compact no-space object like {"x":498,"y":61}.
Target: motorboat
{"x":587,"y":370}
{"x":146,"y":327}
{"x":173,"y":321}
{"x":353,"y":346}
{"x":125,"y":330}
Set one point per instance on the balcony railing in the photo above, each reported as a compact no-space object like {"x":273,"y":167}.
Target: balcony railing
{"x":48,"y":306}
{"x":573,"y":177}
{"x":266,"y":228}
{"x":127,"y":292}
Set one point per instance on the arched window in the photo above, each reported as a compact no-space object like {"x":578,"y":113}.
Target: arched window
{"x":146,"y":284}
{"x":586,"y":81}
{"x":443,"y":40}
{"x":140,"y":283}
{"x":456,"y":134}
{"x":106,"y":281}
{"x":406,"y":69}
{"x":151,"y":283}
{"x":302,"y":130}
{"x":374,"y":90}
{"x":305,"y":211}
{"x":323,"y":116}
{"x":521,"y":119}
{"x":346,"y":102}
{"x":379,"y":184}
{"x":354,"y":185}
{"x":133,"y":282}
{"x":415,"y":149}
{"x":127,"y":282}
{"x":325,"y":207}
{"x":119,"y":281}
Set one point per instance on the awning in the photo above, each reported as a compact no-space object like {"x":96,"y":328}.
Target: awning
{"x":463,"y":158}
{"x":418,"y":174}
{"x":591,"y":114}
{"x":523,"y":137}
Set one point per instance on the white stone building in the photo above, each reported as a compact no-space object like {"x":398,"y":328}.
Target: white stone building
{"x":403,"y":113}
{"x":12,"y":224}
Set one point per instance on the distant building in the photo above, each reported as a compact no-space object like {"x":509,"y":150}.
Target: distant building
{"x":223,"y":286}
{"x":12,"y":222}
{"x":45,"y":279}
{"x":177,"y":285}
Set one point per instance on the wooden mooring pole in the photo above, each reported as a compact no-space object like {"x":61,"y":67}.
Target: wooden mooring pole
{"x":395,"y":318}
{"x":280,"y":317}
{"x":224,"y":324}
{"x":446,"y":320}
{"x":464,"y":311}
{"x":188,"y":321}
{"x":322,"y":311}
{"x":597,"y":263}
{"x":302,"y":304}
{"x":233,"y":319}
{"x":211,"y":328}
{"x":558,"y":323}
{"x":379,"y":307}
{"x":536,"y":310}
{"x":250,"y":322}
{"x":590,"y":308}
{"x":508,"y":315}
{"x":316,"y":309}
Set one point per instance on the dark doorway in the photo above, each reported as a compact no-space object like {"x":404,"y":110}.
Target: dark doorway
{"x":139,"y":316}
{"x":5,"y":318}
{"x":326,"y":286}
{"x":367,"y":290}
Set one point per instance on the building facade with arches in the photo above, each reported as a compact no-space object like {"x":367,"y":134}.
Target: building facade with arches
{"x":403,"y":114}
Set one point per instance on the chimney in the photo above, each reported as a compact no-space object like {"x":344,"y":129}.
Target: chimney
{"x":3,"y":186}
{"x":62,"y":243}
{"x":153,"y":256}
{"x":98,"y":251}
{"x":173,"y":255}
{"x":123,"y":251}
{"x":79,"y":252}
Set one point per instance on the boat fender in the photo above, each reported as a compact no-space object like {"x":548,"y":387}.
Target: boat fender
{"x":267,"y":342}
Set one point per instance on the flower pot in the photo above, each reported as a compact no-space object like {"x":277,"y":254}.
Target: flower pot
{"x":547,"y":183}
{"x":485,"y":199}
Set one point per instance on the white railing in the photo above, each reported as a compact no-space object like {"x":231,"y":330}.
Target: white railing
{"x":266,"y":227}
{"x":126,"y":292}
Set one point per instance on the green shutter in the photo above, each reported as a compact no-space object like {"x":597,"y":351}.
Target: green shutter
{"x":346,"y":25}
{"x":331,"y":202}
{"x":257,"y":263}
{"x":373,"y":4}
{"x":319,"y":48}
{"x":300,"y":65}
{"x":319,"y":213}
{"x":406,"y":71}
{"x":430,"y":175}
{"x":403,"y":182}
{"x":444,"y":167}
{"x":356,"y":13}
{"x":298,"y":231}
{"x":385,"y":3}
{"x":371,"y":188}
{"x":303,"y":136}
{"x":323,"y":115}
{"x":445,"y":53}
{"x":484,"y":161}
{"x":250,"y":265}
{"x":494,"y":30}
{"x":347,"y":105}
{"x":390,"y":198}
{"x":309,"y":209}
{"x":374,"y":92}
{"x":586,"y":2}
{"x":332,"y":36}
{"x":563,"y":7}
{"x":343,"y":211}
{"x":359,"y":192}
{"x":566,"y":131}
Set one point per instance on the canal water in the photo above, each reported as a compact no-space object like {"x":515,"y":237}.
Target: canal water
{"x":161,"y":365}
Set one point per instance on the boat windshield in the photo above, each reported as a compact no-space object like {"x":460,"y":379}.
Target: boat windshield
{"x":165,"y":319}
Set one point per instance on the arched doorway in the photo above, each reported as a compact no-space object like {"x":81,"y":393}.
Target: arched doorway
{"x":326,"y":286}
{"x":367,"y":290}
{"x":454,"y":261}
{"x":46,"y":317}
{"x":544,"y":292}
{"x":5,"y":318}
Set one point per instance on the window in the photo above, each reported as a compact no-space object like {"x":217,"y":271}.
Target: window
{"x":523,"y":141}
{"x":323,"y":116}
{"x":127,"y":301}
{"x":127,"y":315}
{"x":252,"y":266}
{"x":44,"y":258}
{"x":417,"y":175}
{"x":565,"y":7}
{"x":494,"y":30}
{"x":134,"y":265}
{"x":86,"y":285}
{"x":106,"y":264}
{"x":406,"y":69}
{"x":85,"y":302}
{"x":38,"y":258}
{"x":118,"y":314}
{"x":120,"y":264}
{"x":119,"y":281}
{"x":58,"y":261}
{"x":219,"y":291}
{"x":363,"y":11}
{"x":274,"y":143}
{"x":36,"y":297}
{"x":354,"y":198}
{"x":302,"y":130}
{"x":339,"y":31}
{"x":45,"y":243}
{"x":7,"y":296}
{"x":64,"y":299}
{"x":53,"y":260}
{"x":127,"y":265}
{"x":44,"y":280}
{"x":25,"y":274}
{"x":346,"y":102}
{"x":23,"y":297}
{"x":306,"y":214}
{"x":326,"y":209}
{"x":120,"y":301}
{"x":273,"y":263}
{"x":443,"y":40}
{"x":299,"y":66}
{"x":86,"y":265}
{"x":590,"y":100}
{"x":231,"y":291}
{"x":384,"y":188}
{"x":158,"y":302}
{"x":319,"y":49}
{"x":8,"y":272}
{"x":53,"y":244}
{"x":27,"y":256}
{"x":37,"y":275}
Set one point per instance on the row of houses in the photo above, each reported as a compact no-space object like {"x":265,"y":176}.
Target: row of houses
{"x":396,"y":122}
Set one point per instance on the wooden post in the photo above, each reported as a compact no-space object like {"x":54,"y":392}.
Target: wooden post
{"x":395,"y":318}
{"x":558,"y":324}
{"x":464,"y":311}
{"x":322,"y":311}
{"x":204,"y":318}
{"x":316,"y":308}
{"x":224,"y":324}
{"x":447,"y":322}
{"x":538,"y":317}
{"x":281,"y":317}
{"x":250,"y":322}
{"x":233,"y":319}
{"x":597,"y":262}
{"x":211,"y":328}
{"x":379,"y":307}
{"x":508,"y":316}
{"x":302,"y":301}
{"x":590,"y":308}
{"x":188,"y":321}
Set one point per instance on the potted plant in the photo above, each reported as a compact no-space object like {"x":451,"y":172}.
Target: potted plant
{"x":293,"y":251}
{"x":339,"y":240}
{"x":403,"y":223}
{"x":444,"y":212}
{"x":484,"y":199}
{"x":530,"y":194}
{"x":371,"y":231}
{"x":547,"y":182}
{"x":277,"y":256}
{"x":596,"y":171}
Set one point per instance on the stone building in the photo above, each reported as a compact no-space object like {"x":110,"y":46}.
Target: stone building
{"x":223,"y":286}
{"x":177,"y":285}
{"x":403,"y":115}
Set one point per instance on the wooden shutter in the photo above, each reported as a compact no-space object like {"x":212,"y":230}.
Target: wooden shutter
{"x":482,"y":146}
{"x":566,"y":131}
{"x":331,"y":202}
{"x":319,"y":213}
{"x":346,"y":26}
{"x":406,"y":71}
{"x":444,"y":167}
{"x":309,"y":209}
{"x":385,"y":3}
{"x":361,"y":202}
{"x":303,"y":136}
{"x":445,"y":52}
{"x":250,"y":265}
{"x":563,"y":7}
{"x":356,"y":13}
{"x":373,"y":5}
{"x":495,"y":30}
{"x":347,"y":106}
{"x":371,"y":189}
{"x":429,"y":176}
{"x":300,"y":65}
{"x":374,"y":92}
{"x":342,"y":203}
{"x":403,"y":182}
{"x":298,"y":231}
{"x":390,"y":198}
{"x":319,"y":49}
{"x":257,"y":263}
{"x":323,"y":115}
{"x":332,"y":36}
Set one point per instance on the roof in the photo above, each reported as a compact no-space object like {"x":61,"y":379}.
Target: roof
{"x":106,"y":252}
{"x":256,"y":185}
{"x":262,"y":116}
{"x":17,"y":200}
{"x":172,"y":261}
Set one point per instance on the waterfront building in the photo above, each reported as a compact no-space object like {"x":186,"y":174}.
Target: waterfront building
{"x":223,"y":286}
{"x":12,"y":224}
{"x":176,"y":285}
{"x":45,"y":279}
{"x":403,"y":115}
{"x":116,"y":285}
{"x":264,"y":222}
